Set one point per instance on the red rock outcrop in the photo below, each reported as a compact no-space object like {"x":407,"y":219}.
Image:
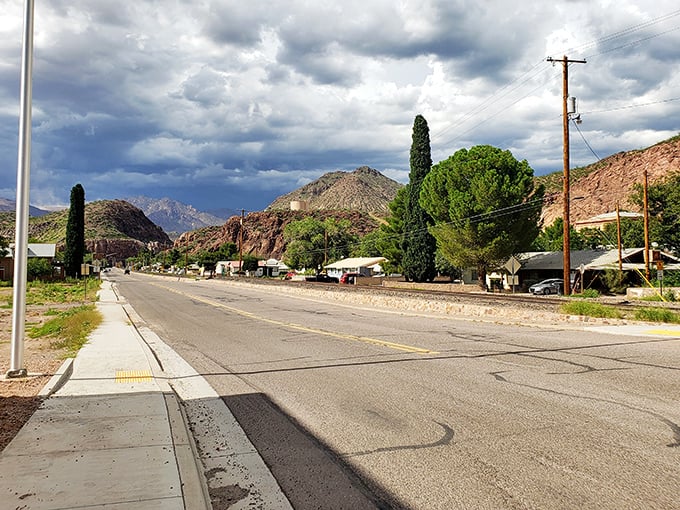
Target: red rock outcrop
{"x":612,"y":179}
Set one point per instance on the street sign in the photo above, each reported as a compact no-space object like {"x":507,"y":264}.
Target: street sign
{"x":513,"y":265}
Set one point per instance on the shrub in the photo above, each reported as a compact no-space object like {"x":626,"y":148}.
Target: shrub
{"x":590,"y":310}
{"x":657,"y":315}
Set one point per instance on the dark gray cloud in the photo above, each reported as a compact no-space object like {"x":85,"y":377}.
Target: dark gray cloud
{"x":226,"y":104}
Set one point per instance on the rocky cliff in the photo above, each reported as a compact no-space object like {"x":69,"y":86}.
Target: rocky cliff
{"x":263,"y":231}
{"x":597,"y":188}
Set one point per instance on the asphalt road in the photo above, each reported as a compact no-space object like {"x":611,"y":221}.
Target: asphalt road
{"x":353,"y":407}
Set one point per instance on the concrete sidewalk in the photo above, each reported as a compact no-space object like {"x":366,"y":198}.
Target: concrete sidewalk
{"x":111,"y":434}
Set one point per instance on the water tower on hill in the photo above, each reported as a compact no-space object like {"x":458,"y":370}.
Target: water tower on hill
{"x":299,"y":205}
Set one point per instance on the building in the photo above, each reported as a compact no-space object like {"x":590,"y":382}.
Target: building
{"x":35,"y":250}
{"x":367,"y":266}
{"x":537,"y":266}
{"x":601,"y":220}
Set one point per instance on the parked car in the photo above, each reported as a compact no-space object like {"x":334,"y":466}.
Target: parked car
{"x":349,"y":277}
{"x":321,"y":277}
{"x":549,"y":286}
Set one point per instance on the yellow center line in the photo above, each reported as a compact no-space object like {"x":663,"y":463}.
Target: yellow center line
{"x":306,"y":329}
{"x":666,"y":332}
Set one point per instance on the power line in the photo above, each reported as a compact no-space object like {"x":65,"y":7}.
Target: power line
{"x":584,"y":140}
{"x":627,"y":107}
{"x":527,"y":76}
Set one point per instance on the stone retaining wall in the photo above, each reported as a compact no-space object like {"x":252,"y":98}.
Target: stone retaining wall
{"x":502,"y":313}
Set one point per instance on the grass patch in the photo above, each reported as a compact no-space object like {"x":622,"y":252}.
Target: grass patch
{"x":590,"y":310}
{"x":69,"y":291}
{"x":70,"y":328}
{"x":657,"y":315}
{"x":588,"y":293}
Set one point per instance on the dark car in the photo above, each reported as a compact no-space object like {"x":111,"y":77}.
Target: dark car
{"x":321,"y":277}
{"x":549,"y":286}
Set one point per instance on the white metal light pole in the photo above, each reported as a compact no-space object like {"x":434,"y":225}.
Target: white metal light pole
{"x":16,"y":368}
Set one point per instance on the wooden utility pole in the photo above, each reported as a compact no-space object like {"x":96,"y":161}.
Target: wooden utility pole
{"x":618,"y":238}
{"x":240,"y":244}
{"x":646,"y":223}
{"x":565,"y":135}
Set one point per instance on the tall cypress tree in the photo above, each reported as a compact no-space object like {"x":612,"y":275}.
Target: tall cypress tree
{"x":74,"y":252}
{"x":419,"y":246}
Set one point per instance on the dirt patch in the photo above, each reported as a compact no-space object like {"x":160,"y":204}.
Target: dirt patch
{"x":18,"y":397}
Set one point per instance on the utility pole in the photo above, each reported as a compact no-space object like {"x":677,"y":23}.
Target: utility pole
{"x":565,"y":132}
{"x":240,"y":245}
{"x":646,"y":223}
{"x":618,"y":239}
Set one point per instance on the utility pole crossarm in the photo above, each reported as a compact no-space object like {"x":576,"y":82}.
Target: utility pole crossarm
{"x":565,"y":129}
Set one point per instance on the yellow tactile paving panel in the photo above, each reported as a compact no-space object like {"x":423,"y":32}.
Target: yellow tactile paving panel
{"x":129,"y":376}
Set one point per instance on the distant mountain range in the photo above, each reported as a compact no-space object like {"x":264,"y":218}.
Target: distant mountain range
{"x":174,"y":217}
{"x":7,"y":205}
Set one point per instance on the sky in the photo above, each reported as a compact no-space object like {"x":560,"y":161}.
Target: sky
{"x":227,"y":105}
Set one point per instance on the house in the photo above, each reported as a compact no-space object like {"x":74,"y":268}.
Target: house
{"x":367,"y":266}
{"x":35,"y":250}
{"x":601,"y":220}
{"x":271,"y":268}
{"x":537,"y":266}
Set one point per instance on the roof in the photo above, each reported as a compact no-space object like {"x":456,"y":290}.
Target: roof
{"x":611,"y":216}
{"x":38,"y":250}
{"x":356,"y":262}
{"x":592,"y":259}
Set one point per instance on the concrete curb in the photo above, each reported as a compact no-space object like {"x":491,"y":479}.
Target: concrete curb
{"x":58,"y":379}
{"x":194,"y":485}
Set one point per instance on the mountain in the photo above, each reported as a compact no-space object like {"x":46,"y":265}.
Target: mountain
{"x":263,"y":231}
{"x":174,"y":217}
{"x":7,"y":205}
{"x":597,"y":188}
{"x":364,"y":189}
{"x":112,"y":228}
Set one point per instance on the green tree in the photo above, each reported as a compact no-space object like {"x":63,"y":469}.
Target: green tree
{"x":310,"y":242}
{"x":37,"y":268}
{"x":227,"y":251}
{"x":484,"y":205}
{"x":632,"y":233}
{"x":445,"y":267}
{"x":74,"y":250}
{"x":550,"y":238}
{"x":4,"y":245}
{"x":388,"y":238}
{"x":250,"y":262}
{"x":663,"y":199}
{"x":419,"y":246}
{"x":369,"y":246}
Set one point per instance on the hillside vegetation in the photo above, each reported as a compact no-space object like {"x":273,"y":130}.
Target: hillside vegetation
{"x":365,"y":190}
